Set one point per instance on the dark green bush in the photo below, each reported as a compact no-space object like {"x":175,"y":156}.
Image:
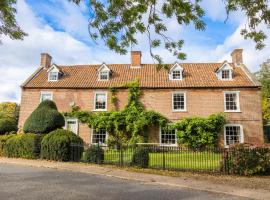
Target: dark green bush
{"x":23,"y":146}
{"x":198,"y":132}
{"x":7,"y":125}
{"x":245,"y":160}
{"x":94,"y":154}
{"x":58,"y":145}
{"x":3,"y":140}
{"x":44,"y":119}
{"x":140,"y":157}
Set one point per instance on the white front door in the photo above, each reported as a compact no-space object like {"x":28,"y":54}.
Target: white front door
{"x":72,"y":125}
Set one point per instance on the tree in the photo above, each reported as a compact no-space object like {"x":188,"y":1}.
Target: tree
{"x":8,"y":24}
{"x":264,"y":78}
{"x":9,"y":115}
{"x":117,"y":22}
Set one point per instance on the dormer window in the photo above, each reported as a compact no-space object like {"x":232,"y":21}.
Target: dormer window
{"x":54,"y":73}
{"x":225,"y":72}
{"x":53,"y":76}
{"x":104,"y":73}
{"x":176,"y":72}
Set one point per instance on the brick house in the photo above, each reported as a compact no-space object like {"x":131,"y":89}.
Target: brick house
{"x":187,"y":89}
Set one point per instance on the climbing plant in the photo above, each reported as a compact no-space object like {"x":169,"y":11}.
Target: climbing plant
{"x":125,"y":127}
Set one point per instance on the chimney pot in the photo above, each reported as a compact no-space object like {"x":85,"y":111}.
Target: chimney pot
{"x":135,"y":59}
{"x":237,"y":56}
{"x":45,"y":60}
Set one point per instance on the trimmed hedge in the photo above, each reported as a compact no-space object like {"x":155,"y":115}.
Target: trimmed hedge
{"x":245,"y":160}
{"x":3,"y":140}
{"x":7,"y":125}
{"x":57,"y":146}
{"x":140,"y":157}
{"x":23,"y":146}
{"x":94,"y":154}
{"x":44,"y":119}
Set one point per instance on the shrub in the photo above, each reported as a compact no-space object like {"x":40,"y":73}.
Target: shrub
{"x":245,"y":160}
{"x":140,"y":157}
{"x":3,"y":140}
{"x":23,"y":146}
{"x":7,"y":125}
{"x":198,"y":132}
{"x":57,"y":146}
{"x":44,"y":119}
{"x":94,"y":154}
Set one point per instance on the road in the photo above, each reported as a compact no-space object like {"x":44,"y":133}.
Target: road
{"x":31,"y":183}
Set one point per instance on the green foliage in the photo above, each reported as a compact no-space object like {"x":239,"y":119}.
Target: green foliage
{"x":128,"y":126}
{"x":44,"y":118}
{"x":57,"y":146}
{"x":7,"y":125}
{"x":94,"y":154}
{"x":3,"y":140}
{"x":23,"y":146}
{"x":198,"y":132}
{"x":8,"y":24}
{"x":243,"y":160}
{"x":9,"y":110}
{"x":140,"y":157}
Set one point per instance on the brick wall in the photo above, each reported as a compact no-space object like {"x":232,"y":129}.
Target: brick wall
{"x":200,"y":102}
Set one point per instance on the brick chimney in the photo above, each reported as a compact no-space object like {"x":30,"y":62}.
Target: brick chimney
{"x":45,"y":60}
{"x":136,"y":59}
{"x":237,"y":57}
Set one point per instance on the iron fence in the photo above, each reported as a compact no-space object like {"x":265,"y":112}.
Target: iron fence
{"x":266,"y":130}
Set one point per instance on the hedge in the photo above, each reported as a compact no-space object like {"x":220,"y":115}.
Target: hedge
{"x":3,"y":140}
{"x":57,"y":146}
{"x":7,"y":125}
{"x":23,"y":146}
{"x":44,"y":119}
{"x":94,"y":154}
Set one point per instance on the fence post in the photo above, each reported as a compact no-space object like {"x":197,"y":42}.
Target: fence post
{"x":163,"y":157}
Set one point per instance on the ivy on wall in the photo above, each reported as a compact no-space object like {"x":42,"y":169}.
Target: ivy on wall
{"x":127,"y":126}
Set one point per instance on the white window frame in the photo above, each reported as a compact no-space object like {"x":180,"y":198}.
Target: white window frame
{"x":237,"y":101}
{"x":230,"y":75}
{"x":72,"y":119}
{"x":185,"y":102}
{"x":241,"y":139}
{"x":104,"y":71}
{"x":225,"y":66}
{"x":176,"y":67}
{"x":177,"y":70}
{"x":49,"y":76}
{"x":91,"y":138}
{"x":46,"y":93}
{"x":170,"y":145}
{"x":106,"y":97}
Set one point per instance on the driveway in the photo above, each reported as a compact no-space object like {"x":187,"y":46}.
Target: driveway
{"x":23,"y":182}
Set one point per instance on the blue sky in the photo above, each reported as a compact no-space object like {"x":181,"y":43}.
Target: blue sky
{"x":59,"y":28}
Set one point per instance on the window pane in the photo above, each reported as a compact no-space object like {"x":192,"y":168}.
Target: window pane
{"x":225,"y":74}
{"x":53,"y":76}
{"x":104,"y":75}
{"x":99,"y":136}
{"x":176,"y":74}
{"x":168,"y":136}
{"x":232,"y":135}
{"x":100,"y":101}
{"x":231,"y":101}
{"x":46,"y":96}
{"x":178,"y":101}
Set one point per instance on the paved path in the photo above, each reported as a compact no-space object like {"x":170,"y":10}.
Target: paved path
{"x":27,"y":183}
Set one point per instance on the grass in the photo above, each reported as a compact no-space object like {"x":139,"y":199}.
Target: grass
{"x":185,"y":160}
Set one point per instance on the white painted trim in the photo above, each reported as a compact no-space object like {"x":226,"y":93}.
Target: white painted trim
{"x":176,"y":67}
{"x":49,"y":76}
{"x":104,"y":66}
{"x":237,"y":103}
{"x":167,"y":145}
{"x":45,"y":92}
{"x":241,"y":139}
{"x":100,"y":92}
{"x":77,"y":124}
{"x":99,"y":75}
{"x":185,"y":101}
{"x":91,"y":137}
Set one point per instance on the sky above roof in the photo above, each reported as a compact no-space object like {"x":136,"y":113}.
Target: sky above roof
{"x":60,"y":28}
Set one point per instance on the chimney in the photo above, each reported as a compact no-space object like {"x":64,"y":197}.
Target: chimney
{"x":237,"y":57}
{"x":136,"y":59}
{"x":45,"y":60}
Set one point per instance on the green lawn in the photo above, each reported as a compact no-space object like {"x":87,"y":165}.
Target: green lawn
{"x":173,"y":160}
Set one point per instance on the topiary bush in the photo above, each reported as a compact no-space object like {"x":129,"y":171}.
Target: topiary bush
{"x":198,"y":132}
{"x":44,"y":119}
{"x":23,"y":146}
{"x":140,"y":157}
{"x":57,"y":145}
{"x":7,"y":125}
{"x":245,"y":160}
{"x":3,"y":140}
{"x":94,"y":154}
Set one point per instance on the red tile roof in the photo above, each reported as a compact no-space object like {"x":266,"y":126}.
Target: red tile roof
{"x":197,"y":75}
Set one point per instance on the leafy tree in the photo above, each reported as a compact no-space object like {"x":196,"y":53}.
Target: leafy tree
{"x":264,"y":78}
{"x":8,"y":24}
{"x":9,"y":115}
